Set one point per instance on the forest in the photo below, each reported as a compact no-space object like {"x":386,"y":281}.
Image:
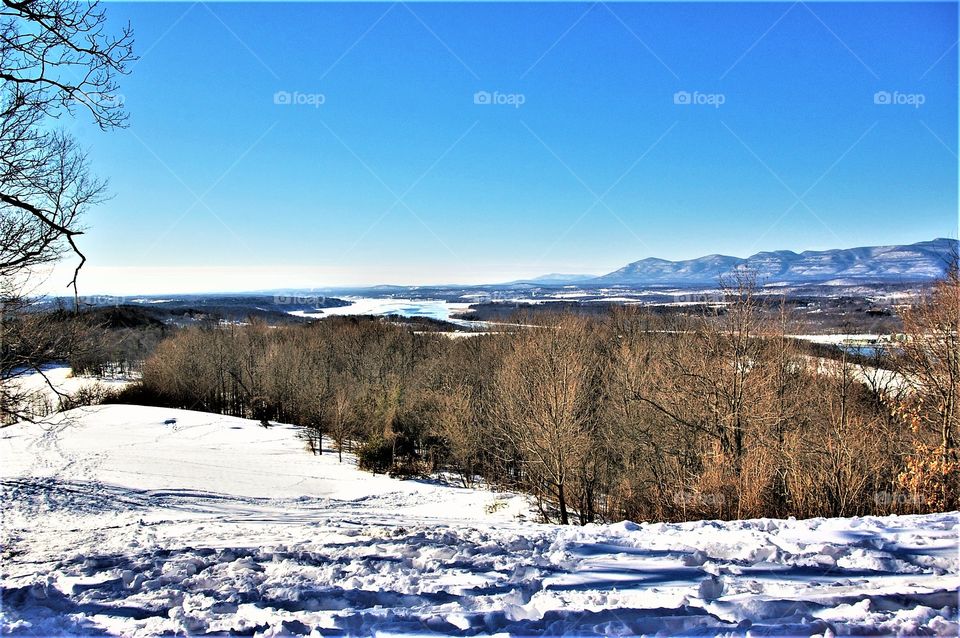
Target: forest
{"x":631,"y":415}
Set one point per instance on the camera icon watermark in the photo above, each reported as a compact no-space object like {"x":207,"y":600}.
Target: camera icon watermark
{"x":897,"y":499}
{"x":301,"y":301}
{"x":696,"y":98}
{"x":117,"y":99}
{"x":108,"y":100}
{"x":699,"y":298}
{"x":896,"y":98}
{"x":685,"y":498}
{"x":101,"y":300}
{"x":496,"y":98}
{"x":296,"y":98}
{"x":493,"y":296}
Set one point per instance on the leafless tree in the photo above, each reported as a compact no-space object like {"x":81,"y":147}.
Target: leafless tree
{"x":341,"y":423}
{"x":56,"y":58}
{"x":544,"y":401}
{"x":457,"y":426}
{"x":930,"y":364}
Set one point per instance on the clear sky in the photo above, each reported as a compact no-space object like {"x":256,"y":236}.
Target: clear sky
{"x":382,"y":168}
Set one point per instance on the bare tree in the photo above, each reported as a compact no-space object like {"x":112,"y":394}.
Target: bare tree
{"x":341,"y":424}
{"x":56,"y":58}
{"x":930,"y":363}
{"x":544,"y":400}
{"x":27,"y":341}
{"x":457,"y":425}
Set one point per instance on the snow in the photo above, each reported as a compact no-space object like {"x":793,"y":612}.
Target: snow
{"x":571,"y":295}
{"x":434,"y":308}
{"x":41,"y":398}
{"x":115,"y":522}
{"x":453,"y":335}
{"x":65,"y":382}
{"x":131,"y":446}
{"x":872,"y":376}
{"x":839,"y":339}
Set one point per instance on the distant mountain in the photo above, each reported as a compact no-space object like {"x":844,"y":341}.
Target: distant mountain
{"x":555,"y":279}
{"x":918,"y":262}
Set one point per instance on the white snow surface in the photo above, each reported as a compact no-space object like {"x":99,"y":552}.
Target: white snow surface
{"x":42,"y":390}
{"x":434,"y":308}
{"x":115,"y":522}
{"x":65,"y":382}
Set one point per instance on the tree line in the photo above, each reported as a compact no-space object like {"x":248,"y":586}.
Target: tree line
{"x":626,"y":416}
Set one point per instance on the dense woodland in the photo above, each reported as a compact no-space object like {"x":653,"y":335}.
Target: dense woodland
{"x":630,"y":415}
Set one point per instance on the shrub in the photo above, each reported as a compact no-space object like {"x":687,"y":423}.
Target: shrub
{"x":376,"y":455}
{"x":139,"y":394}
{"x":95,"y":394}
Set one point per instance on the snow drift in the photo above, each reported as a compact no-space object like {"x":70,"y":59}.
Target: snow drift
{"x":117,"y":522}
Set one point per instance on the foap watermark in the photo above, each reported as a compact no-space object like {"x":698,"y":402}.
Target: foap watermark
{"x":112,"y":100}
{"x":101,"y":300}
{"x":302,"y":301}
{"x":896,"y":98}
{"x":516,"y":100}
{"x":685,"y":498}
{"x":897,"y":499}
{"x":493,"y":296}
{"x":117,"y":99}
{"x":297,"y":98}
{"x":683,"y":98}
{"x":699,"y":298}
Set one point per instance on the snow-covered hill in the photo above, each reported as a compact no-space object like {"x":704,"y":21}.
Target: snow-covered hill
{"x":922,"y":261}
{"x":42,"y":393}
{"x":115,"y":522}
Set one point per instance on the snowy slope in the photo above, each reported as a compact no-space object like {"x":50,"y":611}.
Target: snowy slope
{"x":114,"y":522}
{"x":42,"y":392}
{"x":65,"y":382}
{"x":133,"y":447}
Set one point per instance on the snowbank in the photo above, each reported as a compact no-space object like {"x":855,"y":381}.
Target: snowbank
{"x":116,"y":522}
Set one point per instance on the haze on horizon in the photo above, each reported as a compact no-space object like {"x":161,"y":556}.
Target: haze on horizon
{"x":442,"y":143}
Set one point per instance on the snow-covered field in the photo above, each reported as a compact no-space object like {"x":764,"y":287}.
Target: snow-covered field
{"x":41,"y":392}
{"x":115,"y":522}
{"x":64,"y":381}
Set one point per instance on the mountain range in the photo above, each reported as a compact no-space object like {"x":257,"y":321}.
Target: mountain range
{"x":918,"y":262}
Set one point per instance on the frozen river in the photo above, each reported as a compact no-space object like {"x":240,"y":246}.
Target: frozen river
{"x":433,"y":308}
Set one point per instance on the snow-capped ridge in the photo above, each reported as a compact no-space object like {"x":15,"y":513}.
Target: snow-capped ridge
{"x":922,"y":261}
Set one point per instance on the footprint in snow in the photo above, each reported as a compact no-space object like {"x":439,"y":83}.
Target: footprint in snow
{"x":711,"y":588}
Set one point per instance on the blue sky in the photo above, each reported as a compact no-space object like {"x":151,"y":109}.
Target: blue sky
{"x":400,"y":177}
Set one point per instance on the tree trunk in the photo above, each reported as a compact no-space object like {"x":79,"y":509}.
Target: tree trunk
{"x":561,"y":497}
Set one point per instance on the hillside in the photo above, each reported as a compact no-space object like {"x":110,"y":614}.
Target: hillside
{"x":922,"y":261}
{"x":117,"y":522}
